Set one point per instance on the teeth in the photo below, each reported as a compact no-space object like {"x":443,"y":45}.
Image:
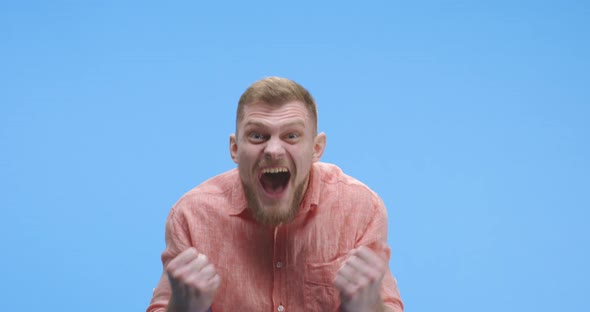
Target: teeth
{"x":274,"y":170}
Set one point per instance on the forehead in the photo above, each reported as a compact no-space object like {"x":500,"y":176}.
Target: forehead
{"x":261,"y":112}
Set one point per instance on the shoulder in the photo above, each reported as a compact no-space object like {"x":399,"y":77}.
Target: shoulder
{"x":332,"y":176}
{"x":346,"y":201}
{"x":212,"y":193}
{"x":334,"y":182}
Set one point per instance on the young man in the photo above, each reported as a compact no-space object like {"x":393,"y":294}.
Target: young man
{"x":283,"y":231}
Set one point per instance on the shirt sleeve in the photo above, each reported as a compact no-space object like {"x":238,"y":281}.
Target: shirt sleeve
{"x":177,"y":240}
{"x":375,"y":237}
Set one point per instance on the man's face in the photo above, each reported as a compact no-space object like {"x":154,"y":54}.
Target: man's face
{"x":274,"y":149}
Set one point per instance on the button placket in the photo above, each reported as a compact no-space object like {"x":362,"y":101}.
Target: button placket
{"x":280,"y":295}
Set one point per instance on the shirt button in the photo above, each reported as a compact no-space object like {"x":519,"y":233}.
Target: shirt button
{"x":279,"y":265}
{"x":281,"y":308}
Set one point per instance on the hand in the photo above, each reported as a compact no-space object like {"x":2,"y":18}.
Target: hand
{"x":359,"y":281}
{"x":193,"y":281}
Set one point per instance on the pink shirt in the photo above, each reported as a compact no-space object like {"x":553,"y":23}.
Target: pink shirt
{"x":287,"y":268}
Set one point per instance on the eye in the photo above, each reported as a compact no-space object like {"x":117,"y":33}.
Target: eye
{"x":256,"y":137}
{"x":293,"y":136}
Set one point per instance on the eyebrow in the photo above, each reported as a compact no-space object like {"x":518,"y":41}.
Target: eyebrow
{"x":254,"y":123}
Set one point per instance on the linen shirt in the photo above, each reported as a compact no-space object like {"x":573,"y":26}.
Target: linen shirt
{"x":290,"y":267}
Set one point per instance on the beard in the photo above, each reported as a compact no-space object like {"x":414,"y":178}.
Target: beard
{"x":272,"y":217}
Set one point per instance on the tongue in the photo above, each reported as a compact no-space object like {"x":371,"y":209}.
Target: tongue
{"x":274,"y":182}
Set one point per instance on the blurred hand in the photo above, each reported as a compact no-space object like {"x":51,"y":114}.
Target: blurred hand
{"x":359,"y":281}
{"x":193,"y":281}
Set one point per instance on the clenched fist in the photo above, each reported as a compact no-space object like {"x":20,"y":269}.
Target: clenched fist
{"x":193,"y":281}
{"x":359,"y":281}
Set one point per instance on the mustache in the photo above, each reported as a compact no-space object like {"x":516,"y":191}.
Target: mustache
{"x":267,"y":163}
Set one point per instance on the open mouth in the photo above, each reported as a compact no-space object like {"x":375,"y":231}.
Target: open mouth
{"x":275,"y":180}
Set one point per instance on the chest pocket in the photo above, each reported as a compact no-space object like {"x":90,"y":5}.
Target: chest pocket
{"x":319,"y":291}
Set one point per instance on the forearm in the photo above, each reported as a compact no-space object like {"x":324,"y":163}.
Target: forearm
{"x":381,"y":308}
{"x":387,"y":309}
{"x":173,"y":307}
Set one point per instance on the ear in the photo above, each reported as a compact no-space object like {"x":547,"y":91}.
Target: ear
{"x":319,"y":144}
{"x":233,"y":147}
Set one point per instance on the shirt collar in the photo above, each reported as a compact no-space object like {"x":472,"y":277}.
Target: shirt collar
{"x":238,"y":197}
{"x":312,"y":194}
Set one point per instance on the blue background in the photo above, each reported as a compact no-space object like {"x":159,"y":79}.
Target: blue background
{"x":469,"y":118}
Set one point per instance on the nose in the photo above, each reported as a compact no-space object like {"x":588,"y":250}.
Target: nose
{"x":274,"y":149}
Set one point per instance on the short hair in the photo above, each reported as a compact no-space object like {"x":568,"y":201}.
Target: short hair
{"x":277,"y":91}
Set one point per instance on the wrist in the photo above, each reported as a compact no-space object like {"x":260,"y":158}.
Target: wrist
{"x":175,"y":307}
